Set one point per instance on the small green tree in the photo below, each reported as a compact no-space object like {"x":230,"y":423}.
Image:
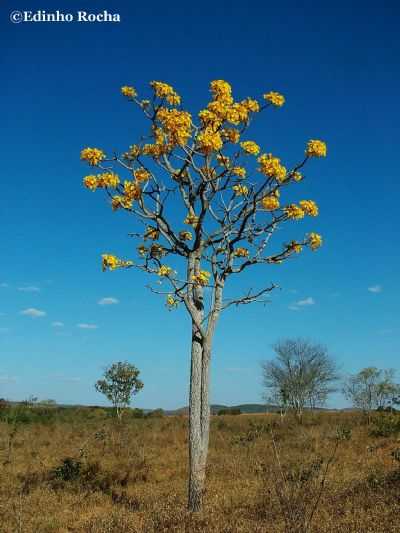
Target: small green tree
{"x":371,"y":388}
{"x":120,"y":383}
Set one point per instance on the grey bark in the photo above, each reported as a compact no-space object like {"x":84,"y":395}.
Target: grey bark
{"x":199,"y":422}
{"x":199,"y":404}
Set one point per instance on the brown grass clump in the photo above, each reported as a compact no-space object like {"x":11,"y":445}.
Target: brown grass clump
{"x":333,"y":473}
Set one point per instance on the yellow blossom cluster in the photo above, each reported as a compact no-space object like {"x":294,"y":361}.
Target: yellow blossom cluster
{"x":132,"y":190}
{"x":119,"y":201}
{"x":239,"y":171}
{"x":236,"y":113}
{"x":209,"y":140}
{"x":274,"y":98}
{"x":221,"y":90}
{"x":141,"y":175}
{"x":209,"y":119}
{"x":222,"y":108}
{"x":163,"y":90}
{"x":222,"y":111}
{"x":112,"y":262}
{"x":171,"y":301}
{"x":90,"y":182}
{"x":309,"y":207}
{"x":241,"y":252}
{"x":202,"y":278}
{"x":155,"y":150}
{"x":314,"y":240}
{"x":316,"y":148}
{"x":106,"y":179}
{"x":133,"y":152}
{"x":251,"y":105}
{"x":129,"y":92}
{"x":142,"y":250}
{"x":176,"y":124}
{"x":192,"y":220}
{"x":295,"y":247}
{"x":271,"y":166}
{"x":294,"y":211}
{"x":250,"y":147}
{"x":155,"y":250}
{"x":230,"y":134}
{"x":240,"y":190}
{"x":159,"y":135}
{"x":185,"y":235}
{"x":92,"y":155}
{"x":151,"y":233}
{"x":164,"y":270}
{"x":297,"y":176}
{"x":270,"y":202}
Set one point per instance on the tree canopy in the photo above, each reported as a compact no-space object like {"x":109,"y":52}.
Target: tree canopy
{"x":371,"y":388}
{"x":302,"y":374}
{"x":121,"y":382}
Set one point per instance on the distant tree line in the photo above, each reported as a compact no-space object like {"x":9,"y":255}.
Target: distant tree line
{"x":302,"y":375}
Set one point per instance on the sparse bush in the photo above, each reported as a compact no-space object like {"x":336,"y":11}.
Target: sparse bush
{"x":298,"y":485}
{"x":69,"y":470}
{"x":385,"y":426}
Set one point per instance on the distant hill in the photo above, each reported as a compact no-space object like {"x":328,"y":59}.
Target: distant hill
{"x":245,"y":408}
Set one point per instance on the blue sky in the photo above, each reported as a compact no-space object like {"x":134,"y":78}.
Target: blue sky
{"x":336,"y":65}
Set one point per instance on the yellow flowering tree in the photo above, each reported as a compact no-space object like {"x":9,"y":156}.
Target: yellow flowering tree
{"x":230,"y":193}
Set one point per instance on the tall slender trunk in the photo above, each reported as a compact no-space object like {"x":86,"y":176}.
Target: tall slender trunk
{"x":199,"y":405}
{"x":199,"y":420}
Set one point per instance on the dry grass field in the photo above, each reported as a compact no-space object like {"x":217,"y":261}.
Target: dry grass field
{"x":93,"y":474}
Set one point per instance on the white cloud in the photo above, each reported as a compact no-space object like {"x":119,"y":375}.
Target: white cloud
{"x":34,"y":313}
{"x":301,"y":303}
{"x":306,"y":301}
{"x":57,"y":324}
{"x":375,"y":288}
{"x":109,"y":300}
{"x":87,"y":326}
{"x":4,"y":285}
{"x":29,"y":288}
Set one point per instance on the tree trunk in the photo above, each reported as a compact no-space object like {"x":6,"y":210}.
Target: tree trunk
{"x":199,"y":421}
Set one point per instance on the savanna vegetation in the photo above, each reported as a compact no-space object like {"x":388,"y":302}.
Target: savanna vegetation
{"x":84,"y":470}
